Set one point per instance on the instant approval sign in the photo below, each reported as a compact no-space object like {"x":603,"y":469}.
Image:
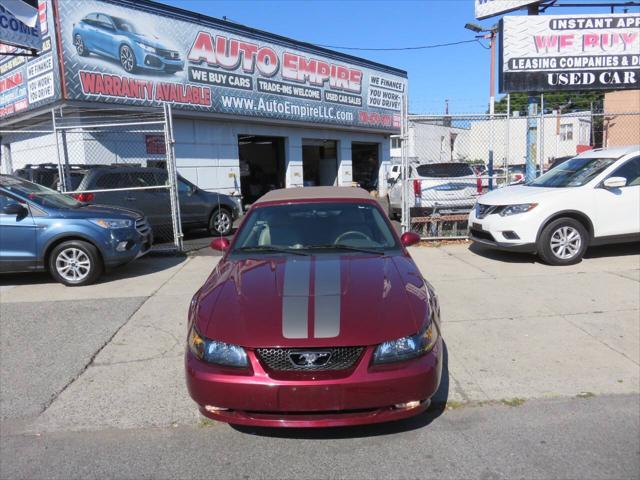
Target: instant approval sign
{"x":570,"y":52}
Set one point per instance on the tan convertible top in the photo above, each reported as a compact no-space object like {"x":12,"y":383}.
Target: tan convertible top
{"x":313,"y":193}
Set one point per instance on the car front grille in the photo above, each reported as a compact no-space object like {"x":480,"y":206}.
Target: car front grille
{"x":280,"y":359}
{"x":142,"y":226}
{"x":169,"y":54}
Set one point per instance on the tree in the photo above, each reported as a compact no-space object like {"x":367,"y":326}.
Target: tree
{"x":576,"y":101}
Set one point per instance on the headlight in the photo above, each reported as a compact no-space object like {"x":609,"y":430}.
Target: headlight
{"x":515,"y":209}
{"x":146,"y":48}
{"x":111,"y":223}
{"x":219,"y":353}
{"x":406,"y":348}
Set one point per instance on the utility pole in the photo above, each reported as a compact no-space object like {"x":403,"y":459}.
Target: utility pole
{"x":530,"y":171}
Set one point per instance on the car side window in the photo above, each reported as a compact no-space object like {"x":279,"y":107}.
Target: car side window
{"x":183,"y":187}
{"x":143,"y":178}
{"x":105,"y":22}
{"x":630,"y":171}
{"x":111,"y":180}
{"x":6,"y":200}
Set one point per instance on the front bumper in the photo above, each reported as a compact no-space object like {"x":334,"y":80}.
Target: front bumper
{"x":153,"y":61}
{"x":125,"y":245}
{"x":515,"y":232}
{"x":363,"y":395}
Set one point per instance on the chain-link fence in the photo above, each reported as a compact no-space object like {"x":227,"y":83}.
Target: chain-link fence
{"x":452,"y":159}
{"x":115,"y":158}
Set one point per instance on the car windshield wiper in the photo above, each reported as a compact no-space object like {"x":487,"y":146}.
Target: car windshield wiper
{"x":270,"y":248}
{"x":341,"y":246}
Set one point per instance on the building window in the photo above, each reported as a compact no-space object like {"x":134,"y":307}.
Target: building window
{"x":566,"y":132}
{"x":396,"y":142}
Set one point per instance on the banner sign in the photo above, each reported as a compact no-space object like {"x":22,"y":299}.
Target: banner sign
{"x":27,"y":83}
{"x":133,"y":54}
{"x":491,"y":8}
{"x":570,"y":52}
{"x":15,"y":33}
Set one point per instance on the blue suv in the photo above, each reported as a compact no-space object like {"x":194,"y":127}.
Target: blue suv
{"x":119,"y":39}
{"x":41,"y":229}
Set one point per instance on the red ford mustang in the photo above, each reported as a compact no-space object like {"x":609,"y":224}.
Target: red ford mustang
{"x":316,"y":316}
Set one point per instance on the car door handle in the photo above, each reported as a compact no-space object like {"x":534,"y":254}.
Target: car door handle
{"x":130,"y":199}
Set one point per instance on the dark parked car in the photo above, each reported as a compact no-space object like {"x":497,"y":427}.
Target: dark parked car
{"x":198,"y":208}
{"x":121,"y":40}
{"x":42,"y":229}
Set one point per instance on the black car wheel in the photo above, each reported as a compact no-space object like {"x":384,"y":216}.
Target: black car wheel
{"x":75,"y":263}
{"x":563,"y":242}
{"x":220,"y":222}
{"x":79,"y":44}
{"x":127,"y":59}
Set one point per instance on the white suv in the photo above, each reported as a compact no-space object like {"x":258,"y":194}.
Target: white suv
{"x":592,"y":199}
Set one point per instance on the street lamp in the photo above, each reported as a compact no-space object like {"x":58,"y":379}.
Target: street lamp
{"x":489,"y":34}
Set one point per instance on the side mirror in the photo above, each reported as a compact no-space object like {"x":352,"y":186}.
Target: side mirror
{"x":615,"y":182}
{"x":220,"y":243}
{"x":409,"y":238}
{"x":14,"y":209}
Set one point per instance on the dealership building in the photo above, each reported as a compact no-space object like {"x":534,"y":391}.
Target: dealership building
{"x":252,"y":111}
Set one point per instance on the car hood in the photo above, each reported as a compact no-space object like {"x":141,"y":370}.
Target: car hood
{"x":151,"y":40}
{"x":515,"y":194}
{"x":101,"y":211}
{"x":327,"y":300}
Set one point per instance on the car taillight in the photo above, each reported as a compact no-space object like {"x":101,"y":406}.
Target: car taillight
{"x":417,"y":190}
{"x":83,"y":197}
{"x":518,"y":177}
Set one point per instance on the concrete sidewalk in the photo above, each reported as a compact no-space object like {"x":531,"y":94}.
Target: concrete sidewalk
{"x":515,"y":330}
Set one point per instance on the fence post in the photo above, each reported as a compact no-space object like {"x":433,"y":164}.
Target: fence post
{"x":61,"y":170}
{"x":405,"y":215}
{"x":172,"y":175}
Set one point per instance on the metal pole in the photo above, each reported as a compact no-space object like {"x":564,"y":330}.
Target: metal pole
{"x":541,"y":136}
{"x":405,"y":217}
{"x":508,"y":140}
{"x":530,"y":172}
{"x":492,"y":105}
{"x":172,"y":174}
{"x":61,"y":174}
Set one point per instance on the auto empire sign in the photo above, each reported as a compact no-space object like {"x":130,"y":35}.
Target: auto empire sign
{"x":576,"y":52}
{"x":126,"y":55}
{"x":491,"y":8}
{"x":27,"y":83}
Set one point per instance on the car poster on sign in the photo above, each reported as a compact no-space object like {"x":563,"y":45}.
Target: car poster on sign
{"x":134,"y":54}
{"x":29,"y":82}
{"x":570,"y":52}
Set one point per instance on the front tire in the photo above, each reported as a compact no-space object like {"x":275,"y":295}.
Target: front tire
{"x":563,"y":242}
{"x":127,"y":59}
{"x":81,"y":49}
{"x":220,"y":222}
{"x":75,"y":263}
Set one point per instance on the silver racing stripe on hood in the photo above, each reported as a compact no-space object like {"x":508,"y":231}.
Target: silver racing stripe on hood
{"x":326,"y":322}
{"x":295,"y":298}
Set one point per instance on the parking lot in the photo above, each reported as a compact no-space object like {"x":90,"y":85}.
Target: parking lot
{"x":93,"y":383}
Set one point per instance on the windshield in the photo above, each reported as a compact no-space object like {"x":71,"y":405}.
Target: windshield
{"x":444,"y":170}
{"x":124,"y":25}
{"x":323,"y":226}
{"x":573,"y":173}
{"x":43,"y":196}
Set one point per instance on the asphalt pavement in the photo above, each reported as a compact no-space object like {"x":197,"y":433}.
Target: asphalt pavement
{"x":578,"y":438}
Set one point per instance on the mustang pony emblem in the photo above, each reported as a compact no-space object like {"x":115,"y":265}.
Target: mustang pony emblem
{"x":309,"y":359}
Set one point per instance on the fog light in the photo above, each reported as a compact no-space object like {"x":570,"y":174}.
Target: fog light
{"x":212,"y":409}
{"x":408,"y":405}
{"x":122,"y":246}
